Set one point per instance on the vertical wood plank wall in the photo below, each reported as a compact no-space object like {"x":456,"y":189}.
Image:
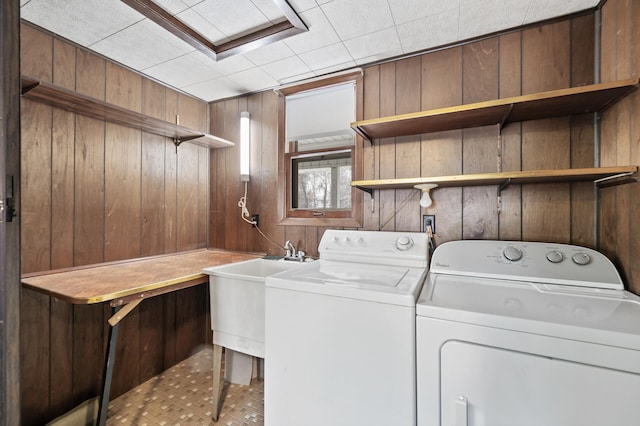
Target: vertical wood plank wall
{"x":93,"y":192}
{"x":552,"y":56}
{"x":620,"y":142}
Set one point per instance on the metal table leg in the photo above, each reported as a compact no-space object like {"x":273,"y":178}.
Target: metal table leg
{"x":108,"y":370}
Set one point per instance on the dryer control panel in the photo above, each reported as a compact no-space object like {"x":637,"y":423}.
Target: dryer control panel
{"x":527,"y":261}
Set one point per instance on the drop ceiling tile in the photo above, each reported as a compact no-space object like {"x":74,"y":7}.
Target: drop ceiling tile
{"x":80,"y":20}
{"x":231,"y":17}
{"x":327,"y":56}
{"x":320,"y":33}
{"x":210,"y":90}
{"x":142,"y":45}
{"x":286,"y":69}
{"x":270,"y":53}
{"x":356,"y":18}
{"x":172,"y":6}
{"x":429,"y":32}
{"x":253,"y":80}
{"x":335,"y":68}
{"x":478,"y":18}
{"x":302,"y":5}
{"x":404,"y":11}
{"x":270,"y":10}
{"x":232,"y":64}
{"x":546,"y":9}
{"x":375,"y":44}
{"x":202,"y":26}
{"x":184,"y":70}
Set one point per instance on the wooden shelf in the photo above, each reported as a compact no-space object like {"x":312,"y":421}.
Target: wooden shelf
{"x":556,"y":103}
{"x":504,"y":178}
{"x":91,"y":107}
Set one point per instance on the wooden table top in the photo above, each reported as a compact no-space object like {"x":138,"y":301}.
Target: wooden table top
{"x":122,"y":281}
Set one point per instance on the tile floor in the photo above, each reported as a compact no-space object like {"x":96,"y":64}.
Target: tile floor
{"x":182,"y":396}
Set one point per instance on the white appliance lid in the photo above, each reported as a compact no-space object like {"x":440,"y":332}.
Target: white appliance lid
{"x":594,"y":315}
{"x":398,"y":285}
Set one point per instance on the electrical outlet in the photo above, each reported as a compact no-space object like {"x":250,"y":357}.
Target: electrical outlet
{"x":429,"y":220}
{"x":256,"y":219}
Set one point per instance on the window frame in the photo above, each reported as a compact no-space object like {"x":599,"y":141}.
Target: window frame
{"x":347,"y":218}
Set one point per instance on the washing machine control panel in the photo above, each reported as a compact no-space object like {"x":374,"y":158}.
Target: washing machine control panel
{"x":381,"y":247}
{"x":527,"y":261}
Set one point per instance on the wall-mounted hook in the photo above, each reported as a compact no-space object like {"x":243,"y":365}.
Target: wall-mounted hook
{"x":425,"y":200}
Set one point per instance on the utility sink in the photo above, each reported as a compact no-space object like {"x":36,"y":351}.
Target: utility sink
{"x":237,"y":302}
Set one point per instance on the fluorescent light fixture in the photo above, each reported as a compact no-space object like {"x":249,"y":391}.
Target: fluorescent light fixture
{"x":245,"y":124}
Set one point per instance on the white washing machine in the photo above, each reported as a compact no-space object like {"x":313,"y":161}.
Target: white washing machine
{"x":340,"y":332}
{"x":526,"y":334}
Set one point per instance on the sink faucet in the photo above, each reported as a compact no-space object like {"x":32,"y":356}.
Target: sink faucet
{"x":291,"y":253}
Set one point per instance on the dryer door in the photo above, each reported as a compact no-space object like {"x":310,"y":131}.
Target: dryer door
{"x":488,"y":386}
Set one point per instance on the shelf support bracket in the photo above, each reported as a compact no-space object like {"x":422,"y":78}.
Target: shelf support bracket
{"x":505,"y":117}
{"x":502,"y":187}
{"x":614,"y":180}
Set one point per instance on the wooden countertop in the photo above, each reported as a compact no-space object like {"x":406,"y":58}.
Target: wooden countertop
{"x":123,"y":281}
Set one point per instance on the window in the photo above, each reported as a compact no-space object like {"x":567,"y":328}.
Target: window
{"x":319,"y":154}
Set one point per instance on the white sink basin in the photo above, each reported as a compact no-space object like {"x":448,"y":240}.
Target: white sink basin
{"x":237,"y":302}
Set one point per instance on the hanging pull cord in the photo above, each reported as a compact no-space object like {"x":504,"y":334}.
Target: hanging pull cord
{"x":246,"y":216}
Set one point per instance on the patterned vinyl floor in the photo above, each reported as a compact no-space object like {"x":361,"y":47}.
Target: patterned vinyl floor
{"x":182,"y":396}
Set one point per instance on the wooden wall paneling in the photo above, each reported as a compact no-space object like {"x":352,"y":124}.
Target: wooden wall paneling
{"x":171,"y":178}
{"x":218,"y":188}
{"x":169,"y":332}
{"x":442,"y":152}
{"x":582,"y":50}
{"x":193,"y":112}
{"x":64,"y":64}
{"x":235,"y":239}
{"x":255,"y":242}
{"x":88,"y":351}
{"x":34,"y":367}
{"x":203,"y":197}
{"x":61,"y":362}
{"x":90,"y":74}
{"x":151,"y":342}
{"x":62,"y":185}
{"x":187,"y":202}
{"x":408,"y":97}
{"x":153,"y":206}
{"x":89,"y":210}
{"x":387,"y":147}
{"x":191,"y":325}
{"x":480,"y":82}
{"x":36,"y":48}
{"x":36,"y":186}
{"x":582,"y":193}
{"x":267,"y":205}
{"x":546,"y":208}
{"x":632,"y":270}
{"x":371,"y":154}
{"x":510,"y":74}
{"x":122,"y":192}
{"x":608,"y":52}
{"x":123,"y":87}
{"x":126,"y":368}
{"x":297,"y":235}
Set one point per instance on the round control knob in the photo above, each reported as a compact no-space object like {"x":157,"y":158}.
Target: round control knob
{"x":404,"y":243}
{"x":555,"y":256}
{"x":581,"y":258}
{"x":512,"y":253}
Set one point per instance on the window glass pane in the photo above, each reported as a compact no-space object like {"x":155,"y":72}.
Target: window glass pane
{"x":321,"y":181}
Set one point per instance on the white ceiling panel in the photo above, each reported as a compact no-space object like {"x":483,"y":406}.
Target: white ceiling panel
{"x":286,"y":69}
{"x":81,"y":20}
{"x":385,"y":43}
{"x":353,"y":18}
{"x":342,"y":33}
{"x":184,"y":70}
{"x":142,"y":45}
{"x":404,"y":11}
{"x":326,"y":56}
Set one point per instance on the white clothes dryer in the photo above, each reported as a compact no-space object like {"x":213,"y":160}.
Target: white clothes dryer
{"x":526,"y":334}
{"x":340,"y":333}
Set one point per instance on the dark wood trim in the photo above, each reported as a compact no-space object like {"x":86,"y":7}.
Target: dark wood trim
{"x":10,"y":402}
{"x":271,"y":34}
